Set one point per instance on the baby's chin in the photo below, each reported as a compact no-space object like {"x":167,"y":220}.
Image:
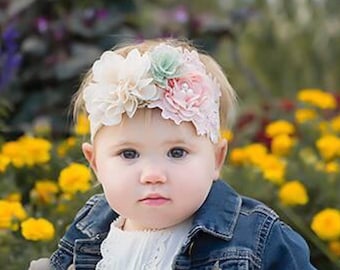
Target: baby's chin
{"x":148,"y":225}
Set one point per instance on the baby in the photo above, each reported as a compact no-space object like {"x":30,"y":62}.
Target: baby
{"x":156,"y":109}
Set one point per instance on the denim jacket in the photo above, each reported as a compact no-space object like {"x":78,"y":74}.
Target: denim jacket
{"x":228,"y":232}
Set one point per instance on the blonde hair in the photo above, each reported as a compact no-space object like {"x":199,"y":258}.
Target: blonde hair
{"x":228,"y":96}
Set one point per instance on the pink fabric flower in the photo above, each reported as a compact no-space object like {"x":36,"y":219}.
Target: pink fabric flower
{"x":190,"y":98}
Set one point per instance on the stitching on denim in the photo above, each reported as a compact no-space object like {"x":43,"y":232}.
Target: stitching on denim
{"x":232,"y":254}
{"x":263,"y":233}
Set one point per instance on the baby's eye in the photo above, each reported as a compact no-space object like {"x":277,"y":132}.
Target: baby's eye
{"x":177,"y":152}
{"x":129,"y":154}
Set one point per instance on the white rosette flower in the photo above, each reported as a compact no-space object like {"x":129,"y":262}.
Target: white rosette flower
{"x":120,"y":85}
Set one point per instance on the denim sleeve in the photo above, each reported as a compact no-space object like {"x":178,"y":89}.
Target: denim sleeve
{"x":286,"y":249}
{"x":62,"y":258}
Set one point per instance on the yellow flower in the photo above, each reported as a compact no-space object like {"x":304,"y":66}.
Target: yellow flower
{"x":273,"y":168}
{"x":9,"y":213}
{"x":278,"y":128}
{"x":304,"y":115}
{"x":293,"y":193}
{"x":27,"y":151}
{"x":281,"y":145}
{"x":37,"y":229}
{"x":14,"y":197}
{"x":335,"y":124}
{"x":45,"y":190}
{"x":37,"y":150}
{"x":325,"y":128}
{"x":76,"y":177}
{"x":15,"y":153}
{"x":334,"y":247}
{"x":254,"y":152}
{"x":65,"y":146}
{"x":82,"y":126}
{"x":227,"y":134}
{"x":238,"y":156}
{"x":4,"y":161}
{"x":328,"y":146}
{"x":317,"y":98}
{"x":326,"y":224}
{"x":331,"y":167}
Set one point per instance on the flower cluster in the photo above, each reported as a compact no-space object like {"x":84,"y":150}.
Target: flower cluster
{"x":39,"y":178}
{"x":172,"y":79}
{"x":298,"y":157}
{"x":26,"y":151}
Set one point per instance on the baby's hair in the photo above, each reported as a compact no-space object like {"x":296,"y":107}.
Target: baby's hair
{"x":228,"y":97}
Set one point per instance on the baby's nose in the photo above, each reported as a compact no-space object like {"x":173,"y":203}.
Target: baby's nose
{"x":153,"y":175}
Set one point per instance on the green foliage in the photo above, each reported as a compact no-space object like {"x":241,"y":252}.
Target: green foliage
{"x":268,"y":49}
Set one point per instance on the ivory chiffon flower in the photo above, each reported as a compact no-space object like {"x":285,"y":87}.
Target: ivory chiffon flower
{"x":119,"y":86}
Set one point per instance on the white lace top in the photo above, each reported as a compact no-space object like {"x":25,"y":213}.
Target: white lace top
{"x":147,"y":250}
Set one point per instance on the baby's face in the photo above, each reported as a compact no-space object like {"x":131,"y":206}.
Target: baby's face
{"x":154,"y":173}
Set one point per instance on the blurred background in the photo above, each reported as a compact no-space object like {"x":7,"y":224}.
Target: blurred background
{"x":269,"y":49}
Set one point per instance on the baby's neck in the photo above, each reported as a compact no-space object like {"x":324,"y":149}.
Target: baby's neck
{"x":128,"y":225}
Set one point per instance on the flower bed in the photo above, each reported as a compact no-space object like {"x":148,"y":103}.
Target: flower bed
{"x":286,"y":154}
{"x":290,"y":159}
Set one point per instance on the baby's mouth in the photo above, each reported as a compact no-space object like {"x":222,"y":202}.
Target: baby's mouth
{"x":154,"y":200}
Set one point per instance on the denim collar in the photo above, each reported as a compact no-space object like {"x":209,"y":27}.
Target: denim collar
{"x":219,"y":213}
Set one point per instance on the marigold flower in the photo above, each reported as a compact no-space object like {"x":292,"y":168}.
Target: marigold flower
{"x":332,"y":167}
{"x":254,"y":152}
{"x":273,"y":168}
{"x":45,"y":190}
{"x":9,"y":212}
{"x":29,"y":229}
{"x":281,"y":145}
{"x":14,"y":197}
{"x":326,"y":224}
{"x":65,"y":146}
{"x":317,"y":98}
{"x":27,"y":151}
{"x":325,"y":128}
{"x":335,"y":124}
{"x":227,"y":134}
{"x":76,"y":177}
{"x":37,"y":150}
{"x":82,"y":126}
{"x":328,"y":146}
{"x":279,"y":127}
{"x":238,"y":156}
{"x":4,"y":161}
{"x":334,"y":248}
{"x":15,"y":153}
{"x":304,"y":115}
{"x":293,"y":193}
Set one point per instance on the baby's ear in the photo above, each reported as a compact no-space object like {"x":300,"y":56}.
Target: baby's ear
{"x":88,"y":152}
{"x":220,"y":153}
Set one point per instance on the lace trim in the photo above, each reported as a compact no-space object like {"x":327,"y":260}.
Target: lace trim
{"x":111,"y":250}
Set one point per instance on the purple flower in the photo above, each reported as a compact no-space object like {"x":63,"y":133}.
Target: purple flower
{"x":42,"y":25}
{"x":180,"y":14}
{"x":10,"y":58}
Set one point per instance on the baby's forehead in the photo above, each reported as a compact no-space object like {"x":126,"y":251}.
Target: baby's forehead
{"x":153,"y":119}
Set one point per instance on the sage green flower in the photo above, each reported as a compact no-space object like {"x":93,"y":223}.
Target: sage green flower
{"x":165,"y":61}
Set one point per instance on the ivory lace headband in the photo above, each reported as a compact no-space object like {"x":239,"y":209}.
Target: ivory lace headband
{"x":170,"y":78}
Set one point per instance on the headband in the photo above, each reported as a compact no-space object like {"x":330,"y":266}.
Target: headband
{"x":170,"y":78}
